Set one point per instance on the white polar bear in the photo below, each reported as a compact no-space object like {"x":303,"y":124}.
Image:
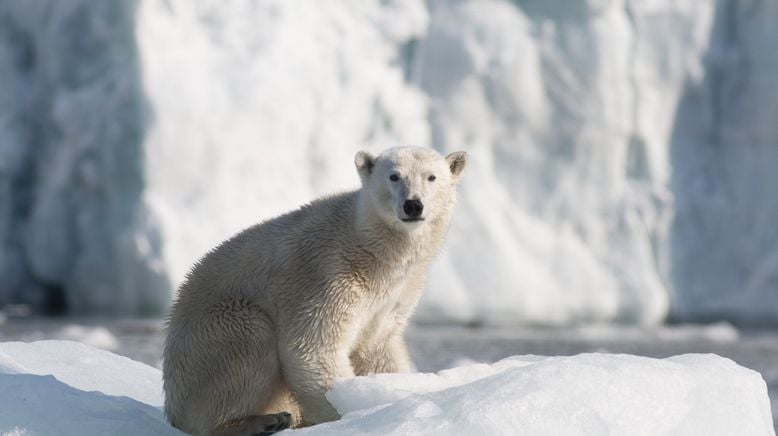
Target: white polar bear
{"x":265,"y":322}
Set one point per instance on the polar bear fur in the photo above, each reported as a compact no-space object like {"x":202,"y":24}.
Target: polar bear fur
{"x":265,"y":321}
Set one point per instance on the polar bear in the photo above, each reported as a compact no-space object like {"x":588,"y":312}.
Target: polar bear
{"x":264,"y":322}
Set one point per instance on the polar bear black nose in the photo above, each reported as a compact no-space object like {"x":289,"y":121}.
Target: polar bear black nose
{"x":413,"y":208}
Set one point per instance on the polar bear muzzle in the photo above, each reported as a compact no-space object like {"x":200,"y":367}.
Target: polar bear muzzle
{"x":413,"y":210}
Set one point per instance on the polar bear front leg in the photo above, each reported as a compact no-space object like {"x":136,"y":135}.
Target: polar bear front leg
{"x":314,"y":352}
{"x":385,"y":350}
{"x":383,"y":356}
{"x":309,"y":374}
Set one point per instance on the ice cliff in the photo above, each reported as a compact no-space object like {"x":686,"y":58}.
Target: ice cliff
{"x":73,"y":232}
{"x":621,"y":151}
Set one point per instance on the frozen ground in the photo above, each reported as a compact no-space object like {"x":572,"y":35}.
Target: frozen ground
{"x":435,"y":348}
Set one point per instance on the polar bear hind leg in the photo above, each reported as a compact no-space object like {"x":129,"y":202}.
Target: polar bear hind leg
{"x":236,"y":382}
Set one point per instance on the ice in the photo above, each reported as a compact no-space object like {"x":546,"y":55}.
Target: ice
{"x":275,"y":90}
{"x":99,"y":337}
{"x":621,"y":165}
{"x":68,"y":388}
{"x":588,"y":394}
{"x":582,"y":201}
{"x":63,"y":387}
{"x":721,"y":332}
{"x":73,"y":232}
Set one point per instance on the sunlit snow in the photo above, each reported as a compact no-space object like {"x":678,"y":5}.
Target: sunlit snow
{"x":61,"y":387}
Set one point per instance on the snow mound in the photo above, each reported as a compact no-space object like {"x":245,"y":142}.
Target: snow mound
{"x":68,"y":388}
{"x":589,"y":394}
{"x":62,"y":387}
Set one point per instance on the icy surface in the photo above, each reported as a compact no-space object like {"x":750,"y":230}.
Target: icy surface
{"x":621,"y":151}
{"x":588,"y":394}
{"x":62,"y":387}
{"x":67,"y":388}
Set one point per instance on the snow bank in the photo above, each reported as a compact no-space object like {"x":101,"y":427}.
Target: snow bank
{"x":61,"y":387}
{"x":621,"y":151}
{"x":84,"y":367}
{"x":68,"y":388}
{"x":588,"y":394}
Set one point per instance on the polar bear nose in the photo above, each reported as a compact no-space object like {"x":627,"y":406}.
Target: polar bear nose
{"x":413,"y":208}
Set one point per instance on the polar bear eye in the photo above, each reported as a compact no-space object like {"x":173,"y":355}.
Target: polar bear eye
{"x":431,"y":178}
{"x":394,"y":177}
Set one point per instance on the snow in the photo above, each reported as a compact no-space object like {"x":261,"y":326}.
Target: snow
{"x":588,"y":394}
{"x":621,"y":151}
{"x":62,"y":387}
{"x":84,"y":367}
{"x":68,"y":388}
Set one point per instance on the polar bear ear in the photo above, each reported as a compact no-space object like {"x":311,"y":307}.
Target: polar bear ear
{"x":456,"y":161}
{"x":364,"y":162}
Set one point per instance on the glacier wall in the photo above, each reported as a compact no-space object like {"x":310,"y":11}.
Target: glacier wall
{"x":73,"y":230}
{"x":724,"y":148}
{"x":621,"y":150}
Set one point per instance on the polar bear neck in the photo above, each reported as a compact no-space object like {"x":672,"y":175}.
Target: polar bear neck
{"x":395,"y":244}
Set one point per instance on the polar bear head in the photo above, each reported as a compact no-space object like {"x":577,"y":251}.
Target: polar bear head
{"x":408,"y":186}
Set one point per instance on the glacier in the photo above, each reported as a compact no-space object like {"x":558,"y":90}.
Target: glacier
{"x":621,"y":150}
{"x":73,"y":232}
